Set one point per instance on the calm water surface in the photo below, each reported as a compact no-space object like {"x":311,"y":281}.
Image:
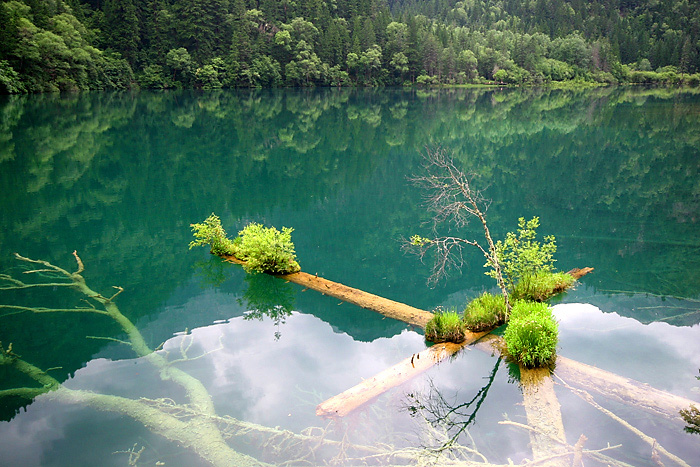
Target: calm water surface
{"x":613,"y":174}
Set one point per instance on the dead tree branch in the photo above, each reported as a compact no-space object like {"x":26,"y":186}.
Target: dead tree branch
{"x":452,"y":198}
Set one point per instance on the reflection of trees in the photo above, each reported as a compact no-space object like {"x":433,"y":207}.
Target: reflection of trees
{"x":610,"y":165}
{"x":266,"y":296}
{"x":449,"y":419}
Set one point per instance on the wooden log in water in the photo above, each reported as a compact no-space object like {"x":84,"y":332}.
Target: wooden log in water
{"x":607,"y":384}
{"x":547,"y":436}
{"x":389,"y":308}
{"x":367,"y":390}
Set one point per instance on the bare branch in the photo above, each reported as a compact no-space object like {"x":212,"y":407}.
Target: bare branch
{"x":655,"y":446}
{"x":112,"y":339}
{"x":186,"y":344}
{"x":41,"y":309}
{"x":81,"y":267}
{"x":449,"y":190}
{"x":17,"y":284}
{"x":452,"y":198}
{"x":46,"y":264}
{"x":119,"y":290}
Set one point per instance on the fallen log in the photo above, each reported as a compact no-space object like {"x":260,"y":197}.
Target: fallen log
{"x":367,"y":390}
{"x":547,"y":436}
{"x":609,"y":385}
{"x":605,"y":383}
{"x":388,"y":308}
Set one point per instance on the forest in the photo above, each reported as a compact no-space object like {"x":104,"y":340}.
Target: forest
{"x":73,"y":45}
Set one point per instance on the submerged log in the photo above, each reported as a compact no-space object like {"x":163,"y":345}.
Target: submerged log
{"x":607,"y":384}
{"x":344,"y":403}
{"x":547,"y":436}
{"x":367,"y":390}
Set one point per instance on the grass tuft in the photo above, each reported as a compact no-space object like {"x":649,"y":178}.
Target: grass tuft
{"x":445,"y":326}
{"x":532,"y":334}
{"x":541,"y":286}
{"x":485,"y":312}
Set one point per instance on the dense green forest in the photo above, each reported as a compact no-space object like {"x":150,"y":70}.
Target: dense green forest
{"x":66,"y":45}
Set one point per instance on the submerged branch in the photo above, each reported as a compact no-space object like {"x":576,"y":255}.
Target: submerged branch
{"x":41,"y":309}
{"x":643,"y":436}
{"x":9,"y":358}
{"x":199,"y":434}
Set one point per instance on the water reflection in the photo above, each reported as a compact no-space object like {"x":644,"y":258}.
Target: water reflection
{"x":258,"y":383}
{"x":613,"y":174}
{"x":268,"y":297}
{"x":450,"y":419}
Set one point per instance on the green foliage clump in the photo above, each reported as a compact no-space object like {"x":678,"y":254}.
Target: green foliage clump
{"x":541,"y":285}
{"x":445,"y":326}
{"x":267,"y":249}
{"x":532,"y":334}
{"x":210,"y":232}
{"x":263,"y":249}
{"x":485,"y":312}
{"x":522,"y":255}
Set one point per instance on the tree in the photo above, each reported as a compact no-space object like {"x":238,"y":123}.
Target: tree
{"x":121,"y":28}
{"x":180,"y":62}
{"x":467,"y":63}
{"x":203,"y":28}
{"x":400,"y":63}
{"x":452,"y":198}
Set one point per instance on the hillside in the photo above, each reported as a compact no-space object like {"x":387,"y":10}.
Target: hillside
{"x":50,"y":45}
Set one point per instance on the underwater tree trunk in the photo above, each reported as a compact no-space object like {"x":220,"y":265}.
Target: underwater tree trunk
{"x":199,"y":433}
{"x":607,"y":384}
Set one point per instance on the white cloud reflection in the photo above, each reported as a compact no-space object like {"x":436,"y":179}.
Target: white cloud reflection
{"x":665,"y":356}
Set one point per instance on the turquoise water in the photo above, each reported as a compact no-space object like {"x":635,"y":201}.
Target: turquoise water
{"x":613,"y":174}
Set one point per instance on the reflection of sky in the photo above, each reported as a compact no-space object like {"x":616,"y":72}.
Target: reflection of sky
{"x":256,"y":378}
{"x":308,"y":364}
{"x":665,"y":356}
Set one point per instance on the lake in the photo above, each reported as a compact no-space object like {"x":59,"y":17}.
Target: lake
{"x":613,"y":174}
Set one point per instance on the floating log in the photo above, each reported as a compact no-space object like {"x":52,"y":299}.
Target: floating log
{"x":603,"y":382}
{"x":578,"y":273}
{"x":389,"y":308}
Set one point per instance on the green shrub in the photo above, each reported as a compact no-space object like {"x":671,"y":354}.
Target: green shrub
{"x":485,"y":312}
{"x":210,"y":232}
{"x":521,"y":255}
{"x":532,"y":334}
{"x":263,"y":249}
{"x":541,"y":285}
{"x":445,"y":326}
{"x":267,"y":249}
